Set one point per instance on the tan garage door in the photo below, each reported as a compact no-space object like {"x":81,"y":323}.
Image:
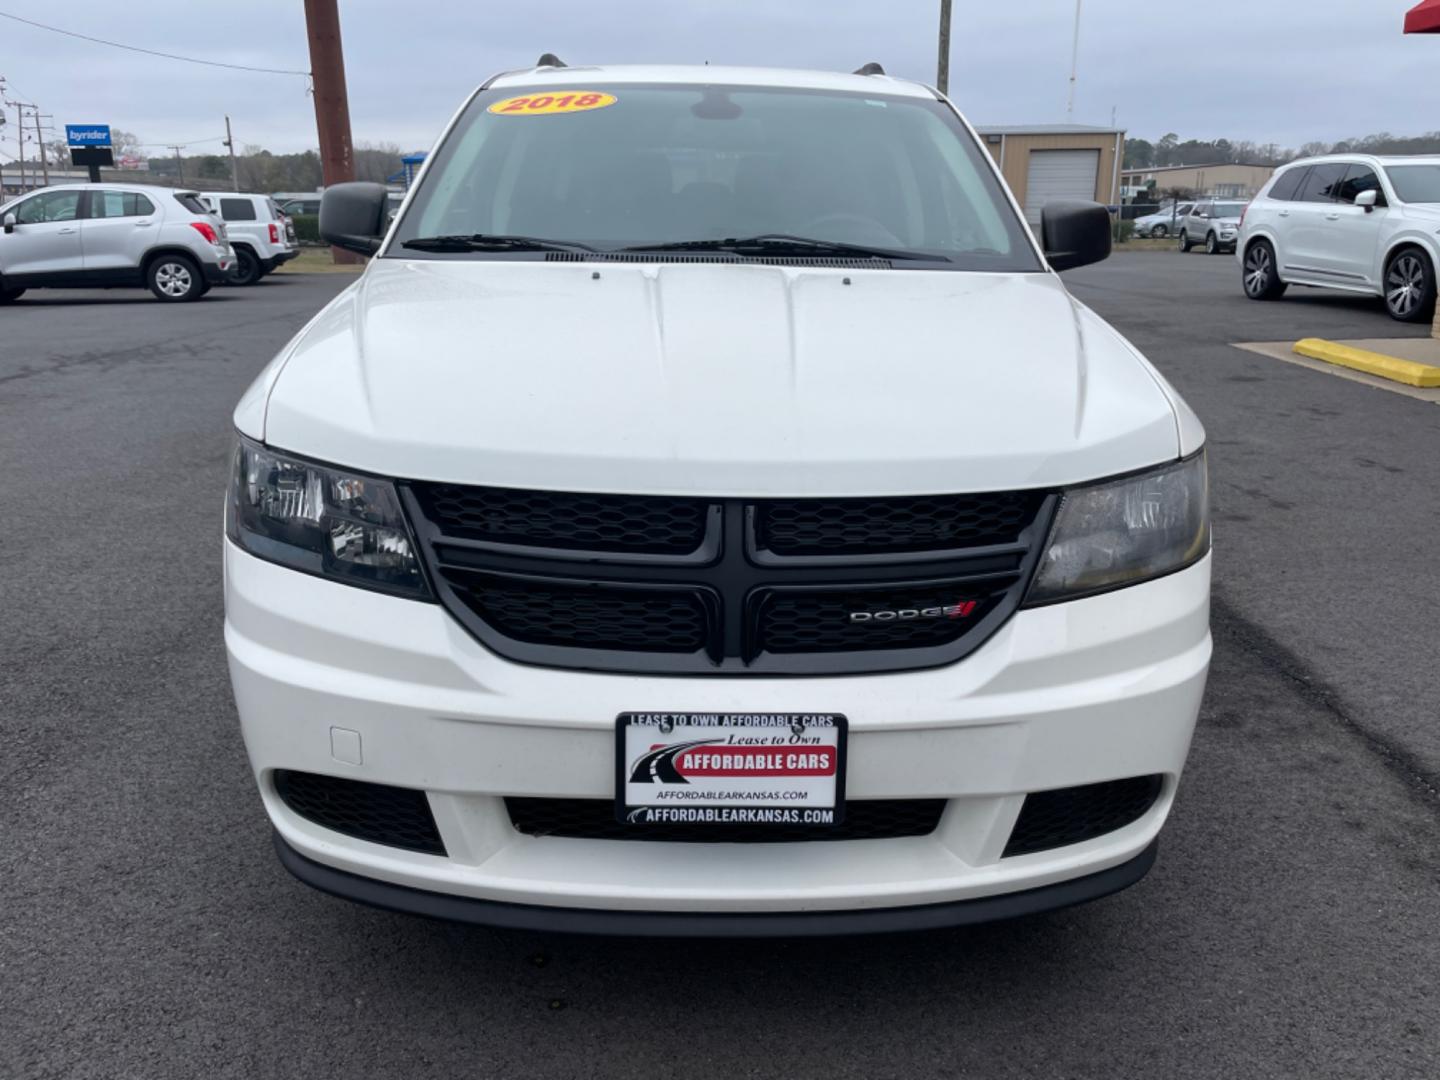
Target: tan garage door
{"x":1059,"y":174}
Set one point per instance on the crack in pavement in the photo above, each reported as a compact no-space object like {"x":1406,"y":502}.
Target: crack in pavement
{"x":1422,"y":782}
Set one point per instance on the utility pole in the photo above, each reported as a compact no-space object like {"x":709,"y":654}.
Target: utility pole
{"x":179,"y":161}
{"x":1074,"y":63}
{"x":40,"y":144}
{"x":230,"y":145}
{"x":20,"y":140}
{"x":332,"y":103}
{"x":942,"y":69}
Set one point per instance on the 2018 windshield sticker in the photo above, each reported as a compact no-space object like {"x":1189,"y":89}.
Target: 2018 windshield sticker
{"x":549,"y":104}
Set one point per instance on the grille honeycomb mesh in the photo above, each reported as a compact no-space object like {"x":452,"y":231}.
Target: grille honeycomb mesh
{"x":396,"y":817}
{"x":1052,"y":819}
{"x":582,"y":617}
{"x":594,"y":819}
{"x":878,"y":526}
{"x":622,"y":523}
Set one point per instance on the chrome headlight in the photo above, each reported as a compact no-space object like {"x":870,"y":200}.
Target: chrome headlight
{"x":320,"y":520}
{"x":1125,"y":531}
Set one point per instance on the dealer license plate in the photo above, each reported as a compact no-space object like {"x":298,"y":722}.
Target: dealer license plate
{"x":760,"y":769}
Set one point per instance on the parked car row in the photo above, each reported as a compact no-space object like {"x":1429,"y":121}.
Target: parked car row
{"x":178,"y":244}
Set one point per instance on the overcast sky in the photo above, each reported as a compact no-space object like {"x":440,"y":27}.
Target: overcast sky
{"x":1269,"y":71}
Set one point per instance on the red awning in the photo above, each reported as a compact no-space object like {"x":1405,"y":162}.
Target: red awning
{"x":1424,"y":18}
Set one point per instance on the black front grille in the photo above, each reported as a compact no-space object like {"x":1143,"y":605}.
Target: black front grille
{"x":871,"y":526}
{"x":662,"y":584}
{"x":594,"y":819}
{"x":1052,"y":819}
{"x":394,"y":816}
{"x":585,"y":616}
{"x":656,"y":525}
{"x":826,"y":621}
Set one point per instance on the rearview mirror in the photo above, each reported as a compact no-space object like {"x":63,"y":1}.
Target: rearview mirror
{"x":352,"y":216}
{"x":10,"y":223}
{"x":1074,"y":234}
{"x":1367,"y":199}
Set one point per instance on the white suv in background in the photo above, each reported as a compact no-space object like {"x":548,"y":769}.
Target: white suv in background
{"x":1212,"y":222}
{"x":1354,"y":222}
{"x":106,"y":235}
{"x":263,"y":237}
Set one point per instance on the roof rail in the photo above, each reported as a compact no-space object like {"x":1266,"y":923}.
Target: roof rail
{"x":549,"y":59}
{"x":872,"y":68}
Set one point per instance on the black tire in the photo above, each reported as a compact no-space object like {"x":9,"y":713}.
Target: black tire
{"x":246,"y":270}
{"x":1260,"y":276}
{"x":1212,"y":244}
{"x":9,"y":296}
{"x":175,"y":279}
{"x":1410,"y":286}
{"x":1185,"y":244}
{"x":1159,"y":232}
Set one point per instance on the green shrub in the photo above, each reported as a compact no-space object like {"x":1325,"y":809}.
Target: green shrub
{"x":307,"y":228}
{"x":1124,"y":231}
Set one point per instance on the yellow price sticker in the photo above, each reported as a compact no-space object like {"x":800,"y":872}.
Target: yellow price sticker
{"x":549,"y":104}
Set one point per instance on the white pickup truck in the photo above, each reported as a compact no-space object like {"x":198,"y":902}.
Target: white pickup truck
{"x":262,"y":236}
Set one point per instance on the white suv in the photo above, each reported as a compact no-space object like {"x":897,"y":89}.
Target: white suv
{"x":1355,"y":222}
{"x":106,"y":235}
{"x":709,"y":513}
{"x":263,"y":237}
{"x":1212,"y":222}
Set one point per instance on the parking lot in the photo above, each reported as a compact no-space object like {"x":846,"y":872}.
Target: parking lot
{"x":1288,"y":929}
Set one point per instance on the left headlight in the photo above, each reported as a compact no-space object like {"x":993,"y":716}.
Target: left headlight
{"x":1125,"y":531}
{"x":322,"y":521}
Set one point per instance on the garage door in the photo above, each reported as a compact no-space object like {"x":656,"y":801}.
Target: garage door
{"x":1059,"y":174}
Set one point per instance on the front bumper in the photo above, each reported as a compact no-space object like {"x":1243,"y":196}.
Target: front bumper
{"x":1070,"y":694}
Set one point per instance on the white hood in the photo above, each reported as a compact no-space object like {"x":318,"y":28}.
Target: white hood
{"x":721,"y":380}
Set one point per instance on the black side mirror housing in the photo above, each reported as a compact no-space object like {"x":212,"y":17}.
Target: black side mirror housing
{"x":1074,"y":234}
{"x":352,"y":216}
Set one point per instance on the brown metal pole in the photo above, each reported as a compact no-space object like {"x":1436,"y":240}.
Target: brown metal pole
{"x":942,"y":70}
{"x":332,"y":104}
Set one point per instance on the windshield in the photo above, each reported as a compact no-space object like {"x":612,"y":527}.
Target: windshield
{"x":1229,"y":209}
{"x":637,"y":166}
{"x":1415,"y":183}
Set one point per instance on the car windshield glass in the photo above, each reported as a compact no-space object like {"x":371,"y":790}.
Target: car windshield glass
{"x":1229,"y":209}
{"x":641,"y":166}
{"x":1415,"y":183}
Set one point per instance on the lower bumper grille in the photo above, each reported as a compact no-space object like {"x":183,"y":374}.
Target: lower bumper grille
{"x":1052,"y":819}
{"x":594,"y":819}
{"x":393,"y":816}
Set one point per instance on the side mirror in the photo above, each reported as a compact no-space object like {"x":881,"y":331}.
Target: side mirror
{"x":1074,"y":234}
{"x":352,"y":216}
{"x":1367,"y":199}
{"x":10,"y":222}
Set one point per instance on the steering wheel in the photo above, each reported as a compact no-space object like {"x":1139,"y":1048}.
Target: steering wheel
{"x":863,"y":230}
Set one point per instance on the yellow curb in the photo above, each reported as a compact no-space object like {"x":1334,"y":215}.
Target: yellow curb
{"x":1387,"y":367}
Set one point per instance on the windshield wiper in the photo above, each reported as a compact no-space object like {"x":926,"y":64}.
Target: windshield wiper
{"x":784,"y":243}
{"x":482,"y":242}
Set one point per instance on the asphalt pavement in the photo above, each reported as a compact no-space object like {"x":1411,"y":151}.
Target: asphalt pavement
{"x":146,"y":930}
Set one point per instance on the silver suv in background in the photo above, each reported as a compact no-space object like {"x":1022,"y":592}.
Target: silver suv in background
{"x":263,"y":237}
{"x":1212,"y":222}
{"x":108,"y":235}
{"x":1360,"y":223}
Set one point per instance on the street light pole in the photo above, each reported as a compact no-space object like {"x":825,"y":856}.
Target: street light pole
{"x":942,"y":70}
{"x":1074,"y":63}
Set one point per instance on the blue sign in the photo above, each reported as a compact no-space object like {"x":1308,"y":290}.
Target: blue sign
{"x":87,"y":134}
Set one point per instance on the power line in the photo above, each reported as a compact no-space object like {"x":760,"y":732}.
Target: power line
{"x":150,"y":52}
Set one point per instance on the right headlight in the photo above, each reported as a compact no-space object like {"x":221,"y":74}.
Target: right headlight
{"x":1125,"y":531}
